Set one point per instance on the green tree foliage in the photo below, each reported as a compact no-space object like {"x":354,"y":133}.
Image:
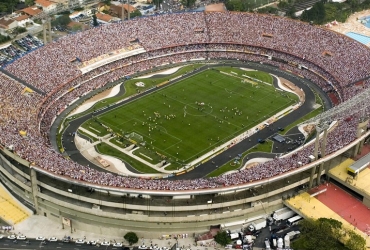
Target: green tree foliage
{"x":7,"y":5}
{"x":62,"y":20}
{"x":19,"y":30}
{"x":131,"y":238}
{"x":29,"y":2}
{"x":268,"y":10}
{"x":188,"y":3}
{"x":355,"y":241}
{"x":316,"y":14}
{"x":324,"y":233}
{"x":235,"y":5}
{"x":135,"y":13}
{"x":4,"y":39}
{"x":222,"y":238}
{"x":291,"y":12}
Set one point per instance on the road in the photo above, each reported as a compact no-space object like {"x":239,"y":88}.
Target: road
{"x":33,"y":244}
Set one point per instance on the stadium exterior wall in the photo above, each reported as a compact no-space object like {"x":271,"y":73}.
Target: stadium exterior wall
{"x":108,"y":207}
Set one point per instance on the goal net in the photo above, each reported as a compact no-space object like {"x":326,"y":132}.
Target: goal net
{"x":136,"y":137}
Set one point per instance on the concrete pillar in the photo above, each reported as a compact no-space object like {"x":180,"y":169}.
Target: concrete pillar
{"x":35,"y":189}
{"x":323,"y":153}
{"x":50,"y":34}
{"x":128,"y":10}
{"x":313,"y":170}
{"x":123,"y":13}
{"x":361,"y":144}
{"x":362,"y":126}
{"x":44,"y":31}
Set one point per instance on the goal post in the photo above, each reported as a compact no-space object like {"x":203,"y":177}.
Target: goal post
{"x":136,"y":137}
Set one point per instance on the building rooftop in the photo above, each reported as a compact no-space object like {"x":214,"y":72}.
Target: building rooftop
{"x":31,"y":11}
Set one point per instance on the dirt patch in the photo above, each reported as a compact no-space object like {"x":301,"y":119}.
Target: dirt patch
{"x":309,"y":128}
{"x":99,"y":96}
{"x":294,"y":88}
{"x":251,"y":165}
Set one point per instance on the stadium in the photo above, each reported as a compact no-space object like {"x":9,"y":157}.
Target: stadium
{"x":39,"y":89}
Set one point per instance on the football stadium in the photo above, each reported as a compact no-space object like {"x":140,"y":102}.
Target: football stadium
{"x":240,"y":80}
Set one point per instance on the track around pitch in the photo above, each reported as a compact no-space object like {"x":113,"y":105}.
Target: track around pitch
{"x":206,"y":168}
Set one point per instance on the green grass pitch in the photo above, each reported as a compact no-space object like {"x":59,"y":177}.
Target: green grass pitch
{"x":187,"y":119}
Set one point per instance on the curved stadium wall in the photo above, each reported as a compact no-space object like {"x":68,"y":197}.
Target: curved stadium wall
{"x":59,"y":194}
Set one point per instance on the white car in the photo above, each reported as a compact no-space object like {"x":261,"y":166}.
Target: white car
{"x":53,"y":239}
{"x":21,"y":237}
{"x":92,"y":243}
{"x":1,"y":236}
{"x":40,"y":238}
{"x":117,"y":244}
{"x":12,"y":237}
{"x":105,"y":243}
{"x":143,"y":247}
{"x":80,"y":241}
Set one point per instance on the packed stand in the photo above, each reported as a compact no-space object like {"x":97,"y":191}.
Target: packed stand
{"x":58,"y":74}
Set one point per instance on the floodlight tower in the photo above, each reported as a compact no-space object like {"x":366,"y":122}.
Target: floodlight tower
{"x":50,"y":34}
{"x":44,"y":30}
{"x":356,"y":107}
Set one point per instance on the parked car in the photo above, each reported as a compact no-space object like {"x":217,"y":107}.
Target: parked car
{"x":117,"y":244}
{"x":12,"y":237}
{"x":105,"y":243}
{"x":21,"y":237}
{"x":80,"y":241}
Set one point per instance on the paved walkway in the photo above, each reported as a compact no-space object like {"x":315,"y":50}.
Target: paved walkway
{"x":126,"y":151}
{"x":311,"y":207}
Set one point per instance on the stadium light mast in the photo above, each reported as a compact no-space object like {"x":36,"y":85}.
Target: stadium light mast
{"x":123,"y":12}
{"x":50,"y":35}
{"x":44,"y":30}
{"x":128,"y":9}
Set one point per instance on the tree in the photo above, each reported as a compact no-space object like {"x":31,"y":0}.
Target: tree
{"x":291,"y":12}
{"x":355,"y":241}
{"x":188,"y":3}
{"x":62,"y":20}
{"x":222,"y":238}
{"x":235,"y":5}
{"x":29,"y":2}
{"x":131,"y":238}
{"x":4,"y":39}
{"x":324,"y":233}
{"x":19,"y":30}
{"x":8,"y":5}
{"x":316,"y":14}
{"x":135,"y":13}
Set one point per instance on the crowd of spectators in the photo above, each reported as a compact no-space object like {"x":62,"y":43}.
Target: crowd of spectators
{"x":330,"y":60}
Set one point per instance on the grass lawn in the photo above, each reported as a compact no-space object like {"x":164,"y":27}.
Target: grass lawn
{"x":230,"y":165}
{"x":108,"y":150}
{"x":131,"y":88}
{"x":192,"y":117}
